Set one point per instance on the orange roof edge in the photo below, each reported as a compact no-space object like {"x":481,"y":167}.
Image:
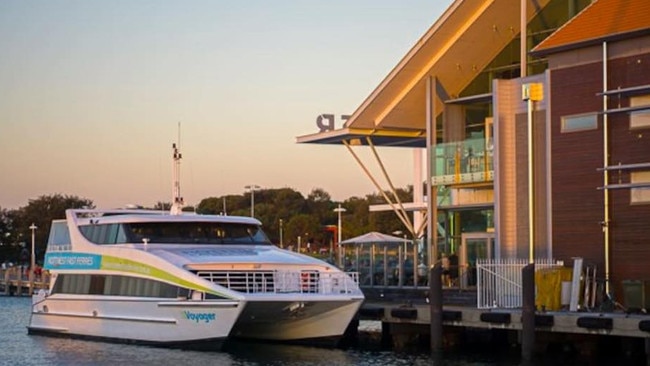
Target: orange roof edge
{"x":602,"y":20}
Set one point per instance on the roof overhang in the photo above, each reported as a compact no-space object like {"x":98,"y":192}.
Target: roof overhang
{"x":360,"y":137}
{"x":408,"y":206}
{"x":454,"y":51}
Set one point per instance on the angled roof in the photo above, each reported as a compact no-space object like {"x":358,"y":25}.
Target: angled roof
{"x":602,"y":20}
{"x":457,"y":47}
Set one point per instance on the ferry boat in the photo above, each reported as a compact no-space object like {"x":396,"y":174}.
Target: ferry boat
{"x":175,"y":278}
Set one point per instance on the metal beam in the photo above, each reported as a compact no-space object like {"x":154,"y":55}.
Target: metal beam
{"x":405,"y":220}
{"x":625,"y":167}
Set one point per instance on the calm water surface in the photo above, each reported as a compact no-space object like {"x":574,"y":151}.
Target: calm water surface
{"x":18,"y":348}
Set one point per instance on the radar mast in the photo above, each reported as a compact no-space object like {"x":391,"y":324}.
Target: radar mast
{"x":177,"y":200}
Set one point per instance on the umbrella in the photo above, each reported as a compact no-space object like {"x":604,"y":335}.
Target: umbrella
{"x":374,"y":237}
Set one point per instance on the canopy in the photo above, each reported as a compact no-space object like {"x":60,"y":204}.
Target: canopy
{"x":374,"y":237}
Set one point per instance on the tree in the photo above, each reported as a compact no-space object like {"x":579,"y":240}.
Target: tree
{"x":387,"y":221}
{"x":225,"y":205}
{"x":304,"y":226}
{"x":8,"y":240}
{"x":274,"y":205}
{"x":41,"y":211}
{"x":319,"y":203}
{"x":304,"y":217}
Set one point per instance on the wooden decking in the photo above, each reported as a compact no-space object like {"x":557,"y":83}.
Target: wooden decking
{"x":406,"y":321}
{"x":14,"y":281}
{"x":611,"y":324}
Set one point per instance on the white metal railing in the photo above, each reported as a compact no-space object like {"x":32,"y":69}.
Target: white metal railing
{"x":498,"y":281}
{"x":305,"y":281}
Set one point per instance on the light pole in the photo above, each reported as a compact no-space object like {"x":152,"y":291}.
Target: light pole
{"x":281,"y":244}
{"x":339,"y":210}
{"x":532,"y":92}
{"x":252,"y":188}
{"x":33,"y":260}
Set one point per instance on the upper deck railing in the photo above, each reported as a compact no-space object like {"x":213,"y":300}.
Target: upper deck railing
{"x":279,"y":282}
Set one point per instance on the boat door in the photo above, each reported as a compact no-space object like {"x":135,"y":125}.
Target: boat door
{"x":474,"y":246}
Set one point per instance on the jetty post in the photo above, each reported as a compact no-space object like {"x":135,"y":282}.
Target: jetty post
{"x":435,"y":302}
{"x":528,"y":312}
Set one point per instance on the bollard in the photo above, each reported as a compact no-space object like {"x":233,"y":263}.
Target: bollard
{"x":528,"y":312}
{"x":7,"y":282}
{"x":435,"y":302}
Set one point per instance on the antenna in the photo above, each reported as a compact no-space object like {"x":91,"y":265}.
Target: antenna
{"x":177,"y":200}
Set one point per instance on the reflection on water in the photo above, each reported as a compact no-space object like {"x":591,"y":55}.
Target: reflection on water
{"x":18,"y":348}
{"x":61,"y":351}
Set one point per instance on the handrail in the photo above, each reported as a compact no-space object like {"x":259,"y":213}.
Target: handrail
{"x":285,"y":281}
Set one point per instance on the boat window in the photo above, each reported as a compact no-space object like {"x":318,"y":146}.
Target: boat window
{"x":59,"y":238}
{"x":116,"y":285}
{"x":104,"y":233}
{"x":175,"y":233}
{"x":195,"y":233}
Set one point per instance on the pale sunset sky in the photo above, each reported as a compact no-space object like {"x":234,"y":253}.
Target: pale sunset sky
{"x":92,"y":92}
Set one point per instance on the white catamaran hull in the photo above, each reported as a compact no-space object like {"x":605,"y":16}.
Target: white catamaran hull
{"x":147,"y":321}
{"x":297,"y":320}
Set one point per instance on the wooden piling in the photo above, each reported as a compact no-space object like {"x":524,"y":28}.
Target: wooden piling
{"x":435,"y":300}
{"x":19,"y":284}
{"x":528,"y":312}
{"x":7,"y":284}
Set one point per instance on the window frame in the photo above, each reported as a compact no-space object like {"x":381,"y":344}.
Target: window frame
{"x":640,"y":195}
{"x":565,"y":121}
{"x":640,"y":119}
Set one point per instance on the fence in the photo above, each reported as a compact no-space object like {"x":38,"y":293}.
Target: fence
{"x":498,"y":281}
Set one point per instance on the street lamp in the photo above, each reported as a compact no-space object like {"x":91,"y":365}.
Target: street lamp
{"x":33,"y":260}
{"x":281,"y":244}
{"x":530,"y":93}
{"x":339,"y":210}
{"x":252,"y":188}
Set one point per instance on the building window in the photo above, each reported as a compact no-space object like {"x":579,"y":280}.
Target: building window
{"x":641,"y":194}
{"x":640,"y":119}
{"x":580,"y":122}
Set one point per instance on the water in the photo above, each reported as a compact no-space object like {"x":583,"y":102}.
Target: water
{"x":19,"y":348}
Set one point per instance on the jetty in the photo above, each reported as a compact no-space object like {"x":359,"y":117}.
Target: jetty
{"x":444,"y":318}
{"x":17,"y":281}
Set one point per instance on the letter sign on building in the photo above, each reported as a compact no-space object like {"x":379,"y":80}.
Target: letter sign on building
{"x":329,"y":126}
{"x":325,"y":127}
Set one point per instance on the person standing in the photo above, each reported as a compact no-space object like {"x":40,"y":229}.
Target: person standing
{"x":444,"y":261}
{"x":453,"y":269}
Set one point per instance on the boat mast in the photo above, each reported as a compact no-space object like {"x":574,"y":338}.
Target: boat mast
{"x":177,"y":200}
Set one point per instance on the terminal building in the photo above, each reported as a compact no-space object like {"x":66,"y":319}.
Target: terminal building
{"x":530,"y":125}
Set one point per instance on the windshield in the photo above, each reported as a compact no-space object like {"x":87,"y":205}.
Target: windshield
{"x":176,"y":233}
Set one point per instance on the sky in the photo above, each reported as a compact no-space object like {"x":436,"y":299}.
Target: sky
{"x":92,"y":94}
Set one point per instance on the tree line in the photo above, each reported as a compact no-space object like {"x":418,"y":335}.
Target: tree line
{"x":286,"y":215}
